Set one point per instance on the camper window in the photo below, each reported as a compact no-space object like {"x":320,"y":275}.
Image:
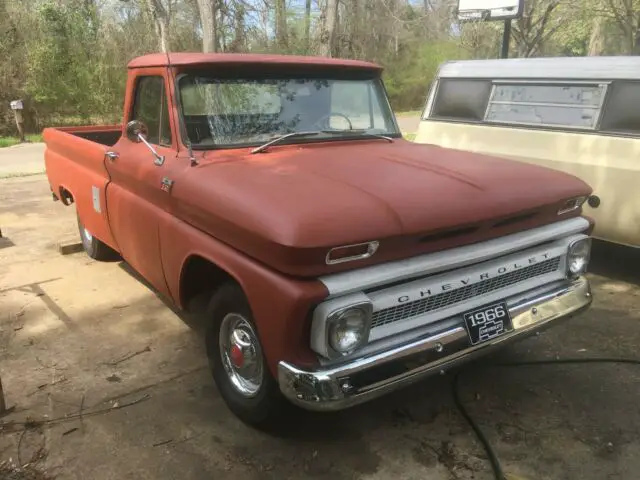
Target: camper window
{"x":461,"y":99}
{"x":621,"y":113}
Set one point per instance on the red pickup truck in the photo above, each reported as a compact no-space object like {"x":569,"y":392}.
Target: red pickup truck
{"x":339,"y":260}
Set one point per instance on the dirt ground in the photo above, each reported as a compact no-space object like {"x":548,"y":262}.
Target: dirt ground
{"x":121,"y":379}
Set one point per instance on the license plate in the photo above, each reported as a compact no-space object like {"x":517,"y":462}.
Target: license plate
{"x":488,"y":322}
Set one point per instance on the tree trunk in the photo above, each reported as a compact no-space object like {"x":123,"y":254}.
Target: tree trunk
{"x":238,"y":43}
{"x":307,"y":25}
{"x":162,"y":30}
{"x":327,"y":40}
{"x":354,"y":27}
{"x":633,"y":40}
{"x":160,"y":18}
{"x":596,"y":41}
{"x":281,"y":24}
{"x":207,"y":9}
{"x":535,"y":27}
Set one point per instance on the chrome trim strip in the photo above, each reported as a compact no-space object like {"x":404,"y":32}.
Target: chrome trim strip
{"x":329,"y":389}
{"x":550,"y":82}
{"x":579,"y":202}
{"x":377,"y":275}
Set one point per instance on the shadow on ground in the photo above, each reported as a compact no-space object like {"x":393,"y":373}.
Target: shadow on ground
{"x":616,"y":261}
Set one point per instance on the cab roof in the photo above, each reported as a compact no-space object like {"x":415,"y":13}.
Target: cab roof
{"x":245,"y":59}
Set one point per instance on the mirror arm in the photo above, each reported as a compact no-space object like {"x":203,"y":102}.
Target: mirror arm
{"x":159,"y":158}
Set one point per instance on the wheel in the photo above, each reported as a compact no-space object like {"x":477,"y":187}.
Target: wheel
{"x":94,"y":247}
{"x":237,"y":362}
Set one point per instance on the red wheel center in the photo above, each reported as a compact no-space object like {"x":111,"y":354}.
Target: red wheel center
{"x":236,"y":356}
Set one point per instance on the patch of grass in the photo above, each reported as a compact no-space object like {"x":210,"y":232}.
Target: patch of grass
{"x":10,"y":141}
{"x":410,"y":113}
{"x":409,"y":136}
{"x":5,"y":176}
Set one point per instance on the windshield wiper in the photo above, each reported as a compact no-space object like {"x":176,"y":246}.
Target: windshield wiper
{"x":361,"y":133}
{"x":278,"y":139}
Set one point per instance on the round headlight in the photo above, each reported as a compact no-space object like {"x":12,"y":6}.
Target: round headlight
{"x":578,"y":256}
{"x":348,"y":330}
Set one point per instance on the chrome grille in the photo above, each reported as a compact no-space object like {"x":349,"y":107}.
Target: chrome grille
{"x":447,"y":299}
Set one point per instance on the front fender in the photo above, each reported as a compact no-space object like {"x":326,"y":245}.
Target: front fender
{"x":280,"y":305}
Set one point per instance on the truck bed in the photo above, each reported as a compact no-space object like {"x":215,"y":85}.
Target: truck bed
{"x":106,"y":135}
{"x":74,"y":159}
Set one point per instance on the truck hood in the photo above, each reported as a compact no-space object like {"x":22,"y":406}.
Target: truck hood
{"x":301,"y":200}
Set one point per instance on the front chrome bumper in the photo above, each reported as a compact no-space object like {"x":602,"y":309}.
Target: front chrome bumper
{"x":365,"y":378}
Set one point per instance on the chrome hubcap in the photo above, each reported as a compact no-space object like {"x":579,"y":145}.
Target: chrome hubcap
{"x":88,"y":235}
{"x":241,"y":354}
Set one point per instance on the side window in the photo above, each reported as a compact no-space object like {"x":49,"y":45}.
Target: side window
{"x":559,"y":105}
{"x":622,"y":110}
{"x":151,"y":108}
{"x":461,"y":99}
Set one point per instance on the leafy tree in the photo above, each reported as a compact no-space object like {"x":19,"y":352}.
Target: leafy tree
{"x":67,"y":58}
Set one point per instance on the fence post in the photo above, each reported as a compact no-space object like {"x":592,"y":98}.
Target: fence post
{"x":17,"y":107}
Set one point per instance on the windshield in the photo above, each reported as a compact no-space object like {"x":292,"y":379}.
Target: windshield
{"x":233,"y":111}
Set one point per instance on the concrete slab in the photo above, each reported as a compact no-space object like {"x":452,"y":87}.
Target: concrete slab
{"x":22,"y":159}
{"x":408,"y":124}
{"x":87,"y":344}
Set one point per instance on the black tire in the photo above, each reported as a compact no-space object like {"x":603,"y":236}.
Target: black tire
{"x":94,"y":247}
{"x":263,"y":408}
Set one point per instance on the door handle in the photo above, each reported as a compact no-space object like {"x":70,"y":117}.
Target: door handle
{"x":112,"y":156}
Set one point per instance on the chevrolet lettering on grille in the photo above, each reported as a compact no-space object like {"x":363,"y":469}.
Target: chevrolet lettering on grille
{"x":472,"y":279}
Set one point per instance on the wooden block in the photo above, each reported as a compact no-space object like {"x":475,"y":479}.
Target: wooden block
{"x":67,"y":248}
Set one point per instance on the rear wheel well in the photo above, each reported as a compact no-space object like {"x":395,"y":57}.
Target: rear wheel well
{"x":200,"y":278}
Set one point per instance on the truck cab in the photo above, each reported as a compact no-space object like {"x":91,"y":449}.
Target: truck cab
{"x":337,"y":260}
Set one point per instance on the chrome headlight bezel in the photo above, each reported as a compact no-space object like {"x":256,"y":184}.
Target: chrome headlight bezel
{"x":338,"y":317}
{"x":578,"y":251}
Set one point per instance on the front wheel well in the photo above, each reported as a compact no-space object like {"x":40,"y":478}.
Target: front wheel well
{"x":199,"y":279}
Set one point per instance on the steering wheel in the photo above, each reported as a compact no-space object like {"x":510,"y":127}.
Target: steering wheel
{"x":324,"y":118}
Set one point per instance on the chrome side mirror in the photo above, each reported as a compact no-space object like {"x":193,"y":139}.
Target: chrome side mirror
{"x":137,"y":132}
{"x":135,"y":129}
